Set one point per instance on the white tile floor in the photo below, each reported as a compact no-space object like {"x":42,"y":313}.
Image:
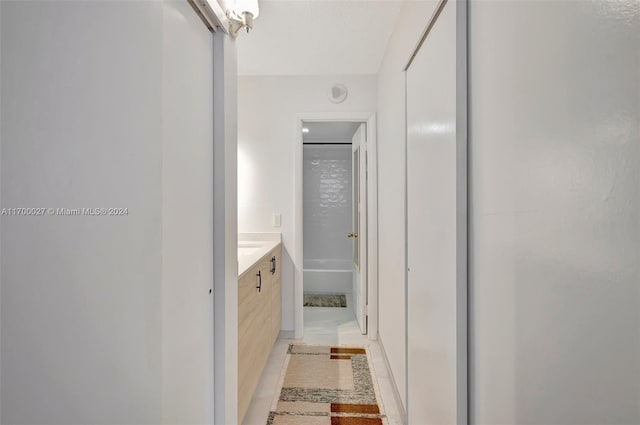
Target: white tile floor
{"x":322,"y":326}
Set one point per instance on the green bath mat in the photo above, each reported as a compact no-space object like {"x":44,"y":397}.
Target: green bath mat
{"x":325,"y":300}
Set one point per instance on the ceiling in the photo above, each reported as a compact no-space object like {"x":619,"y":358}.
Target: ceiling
{"x":329,"y":131}
{"x":317,"y":37}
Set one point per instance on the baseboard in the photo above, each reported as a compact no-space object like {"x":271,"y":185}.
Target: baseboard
{"x":396,"y":393}
{"x":286,"y":335}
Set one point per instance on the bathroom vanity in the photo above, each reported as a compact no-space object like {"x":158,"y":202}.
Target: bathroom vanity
{"x":259,"y":309}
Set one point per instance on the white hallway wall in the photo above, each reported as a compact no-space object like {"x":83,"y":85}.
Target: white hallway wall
{"x":412,"y":20}
{"x":555,"y":212}
{"x":267,"y":109}
{"x":104,"y":319}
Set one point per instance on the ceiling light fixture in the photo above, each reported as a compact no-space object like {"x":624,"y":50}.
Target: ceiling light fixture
{"x":305,"y":130}
{"x":242,"y":14}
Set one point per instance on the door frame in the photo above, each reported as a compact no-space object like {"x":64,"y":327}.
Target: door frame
{"x":371,"y":211}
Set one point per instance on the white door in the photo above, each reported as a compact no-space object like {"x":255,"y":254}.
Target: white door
{"x":358,"y":231}
{"x":435,"y":393}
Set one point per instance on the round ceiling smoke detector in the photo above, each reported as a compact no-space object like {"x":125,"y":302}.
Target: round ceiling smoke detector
{"x":337,"y":93}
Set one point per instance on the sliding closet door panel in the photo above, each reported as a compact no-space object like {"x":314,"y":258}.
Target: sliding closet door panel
{"x":432,"y":237}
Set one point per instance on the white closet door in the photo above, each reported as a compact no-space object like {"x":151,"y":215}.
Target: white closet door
{"x":359,"y":219}
{"x":432,"y":236}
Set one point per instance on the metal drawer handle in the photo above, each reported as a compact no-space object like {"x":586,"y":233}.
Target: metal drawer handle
{"x":259,"y":285}
{"x":273,"y":265}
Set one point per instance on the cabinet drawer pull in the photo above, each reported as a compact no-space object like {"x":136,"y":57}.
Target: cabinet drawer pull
{"x":259,"y":285}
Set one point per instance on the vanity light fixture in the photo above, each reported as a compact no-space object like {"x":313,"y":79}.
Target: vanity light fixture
{"x":242,"y":14}
{"x":305,"y":130}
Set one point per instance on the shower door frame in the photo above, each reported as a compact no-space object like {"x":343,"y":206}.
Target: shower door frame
{"x":370,"y":211}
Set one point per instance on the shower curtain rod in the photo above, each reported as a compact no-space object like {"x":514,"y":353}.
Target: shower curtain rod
{"x":326,"y":143}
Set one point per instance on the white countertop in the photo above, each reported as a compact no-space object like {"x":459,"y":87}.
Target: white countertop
{"x":252,"y":247}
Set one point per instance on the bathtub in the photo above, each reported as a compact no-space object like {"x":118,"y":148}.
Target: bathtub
{"x":328,"y":276}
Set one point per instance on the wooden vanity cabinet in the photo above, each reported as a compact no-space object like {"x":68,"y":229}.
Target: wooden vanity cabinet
{"x":259,"y":317}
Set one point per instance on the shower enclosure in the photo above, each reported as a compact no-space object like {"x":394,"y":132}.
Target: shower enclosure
{"x":327,"y":175}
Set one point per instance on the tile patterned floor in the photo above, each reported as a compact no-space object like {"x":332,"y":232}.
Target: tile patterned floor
{"x":323,"y":326}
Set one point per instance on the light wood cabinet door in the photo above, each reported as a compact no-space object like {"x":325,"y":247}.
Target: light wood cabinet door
{"x":263,"y":311}
{"x":276,"y":295}
{"x":248,"y":331}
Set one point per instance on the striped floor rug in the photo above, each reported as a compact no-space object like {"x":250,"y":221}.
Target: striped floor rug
{"x":324,"y":385}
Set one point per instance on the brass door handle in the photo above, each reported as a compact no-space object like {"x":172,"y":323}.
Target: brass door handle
{"x":352,"y":235}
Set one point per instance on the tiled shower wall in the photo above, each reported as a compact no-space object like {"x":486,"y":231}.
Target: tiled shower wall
{"x":327,"y":206}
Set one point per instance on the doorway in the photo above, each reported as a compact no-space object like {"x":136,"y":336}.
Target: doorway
{"x":333,"y":284}
{"x":336,"y":227}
